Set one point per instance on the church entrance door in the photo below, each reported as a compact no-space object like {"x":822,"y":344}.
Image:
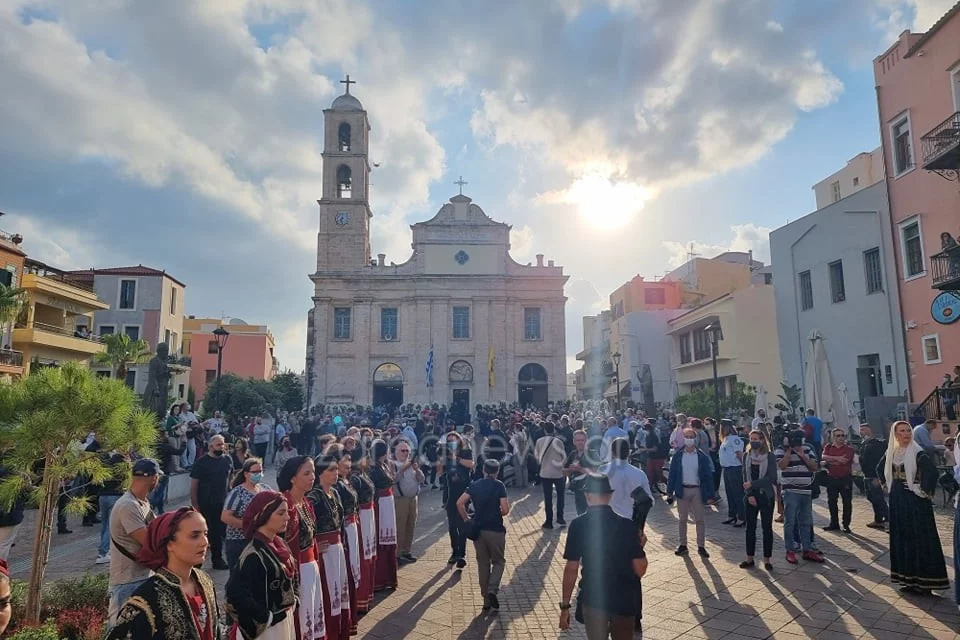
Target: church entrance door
{"x":532,"y":386}
{"x":388,"y":385}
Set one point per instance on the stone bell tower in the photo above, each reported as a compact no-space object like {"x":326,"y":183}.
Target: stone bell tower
{"x":343,"y":243}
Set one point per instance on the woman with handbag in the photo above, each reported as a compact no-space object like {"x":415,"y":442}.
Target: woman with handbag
{"x":759,"y":481}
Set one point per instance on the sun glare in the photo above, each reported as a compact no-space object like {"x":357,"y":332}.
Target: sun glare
{"x":605,"y":204}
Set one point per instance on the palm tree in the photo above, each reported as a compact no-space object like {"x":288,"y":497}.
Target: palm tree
{"x":11,"y":301}
{"x":122,"y":353}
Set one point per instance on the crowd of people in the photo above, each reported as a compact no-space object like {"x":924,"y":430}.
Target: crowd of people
{"x":306,"y":558}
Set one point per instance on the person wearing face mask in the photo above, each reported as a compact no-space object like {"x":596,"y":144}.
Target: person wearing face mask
{"x":691,"y":483}
{"x":209,"y":480}
{"x":246,"y":485}
{"x":759,"y":480}
{"x":284,"y":452}
{"x":455,"y":466}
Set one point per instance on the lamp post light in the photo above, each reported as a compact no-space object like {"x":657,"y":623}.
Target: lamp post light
{"x":616,"y":363}
{"x":220,"y":335}
{"x":716,"y":335}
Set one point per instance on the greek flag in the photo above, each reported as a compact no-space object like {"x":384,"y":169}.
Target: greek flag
{"x":429,"y":368}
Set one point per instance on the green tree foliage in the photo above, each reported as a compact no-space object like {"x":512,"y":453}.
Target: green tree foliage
{"x":123,"y":353}
{"x":289,"y":390}
{"x":43,"y":418}
{"x":11,"y":301}
{"x":238,"y":396}
{"x":790,"y":400}
{"x":699,"y":403}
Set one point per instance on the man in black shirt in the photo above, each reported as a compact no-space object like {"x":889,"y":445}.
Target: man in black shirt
{"x":208,"y":491}
{"x":490,"y":505}
{"x":609,"y":588}
{"x":871,"y":451}
{"x":455,"y":466}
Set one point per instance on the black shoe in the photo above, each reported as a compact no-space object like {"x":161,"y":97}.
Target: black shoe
{"x":453,"y":559}
{"x":876,"y":525}
{"x":547,"y":525}
{"x":86,"y":523}
{"x":768,"y":566}
{"x":738,"y":524}
{"x":561,"y":522}
{"x":401,"y":561}
{"x":832,"y":527}
{"x":703,"y":552}
{"x":63,"y":530}
{"x":408,"y":557}
{"x":461,"y":563}
{"x":669,"y":500}
{"x":494,"y":602}
{"x":846,"y":529}
{"x":729,"y":521}
{"x":747,"y":564}
{"x":681,"y":550}
{"x":220,"y":565}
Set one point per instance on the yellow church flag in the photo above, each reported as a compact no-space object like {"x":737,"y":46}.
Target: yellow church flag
{"x":490,"y":373}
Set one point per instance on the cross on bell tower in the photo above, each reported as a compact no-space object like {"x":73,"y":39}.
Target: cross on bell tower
{"x":348,"y":82}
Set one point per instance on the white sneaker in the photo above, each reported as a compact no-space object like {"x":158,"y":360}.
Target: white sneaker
{"x":104,"y":559}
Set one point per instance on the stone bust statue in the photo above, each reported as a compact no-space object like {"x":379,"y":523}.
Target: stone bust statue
{"x":158,"y":382}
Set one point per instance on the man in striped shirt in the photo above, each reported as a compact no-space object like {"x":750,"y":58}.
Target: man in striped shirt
{"x":797,"y":463}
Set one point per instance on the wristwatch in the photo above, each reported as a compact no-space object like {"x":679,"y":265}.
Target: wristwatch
{"x":565,"y":607}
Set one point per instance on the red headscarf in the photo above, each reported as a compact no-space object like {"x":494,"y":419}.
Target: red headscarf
{"x":160,"y":531}
{"x":4,"y":569}
{"x":257,"y":513}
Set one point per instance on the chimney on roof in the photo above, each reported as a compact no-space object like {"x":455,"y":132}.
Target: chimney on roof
{"x":381,"y":259}
{"x":549,"y":263}
{"x":539,"y":259}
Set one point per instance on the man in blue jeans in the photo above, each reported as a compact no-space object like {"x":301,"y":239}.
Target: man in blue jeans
{"x":128,"y":532}
{"x":110,"y":492}
{"x":797,"y":463}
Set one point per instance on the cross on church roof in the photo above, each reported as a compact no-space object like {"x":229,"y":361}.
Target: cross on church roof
{"x":461,"y":182}
{"x":348,"y":82}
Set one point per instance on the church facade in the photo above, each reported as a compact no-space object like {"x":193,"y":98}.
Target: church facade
{"x":459,"y":323}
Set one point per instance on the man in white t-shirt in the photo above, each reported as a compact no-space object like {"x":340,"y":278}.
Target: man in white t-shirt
{"x":624,"y":478}
{"x":551,"y":455}
{"x":759,"y":420}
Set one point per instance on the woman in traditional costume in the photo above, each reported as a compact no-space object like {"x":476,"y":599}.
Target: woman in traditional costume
{"x":333,"y":562}
{"x":367,"y":525}
{"x":910,"y":475}
{"x":295,"y":480}
{"x":179,"y":601}
{"x":351,"y":532}
{"x":381,"y":473}
{"x":261,"y":592}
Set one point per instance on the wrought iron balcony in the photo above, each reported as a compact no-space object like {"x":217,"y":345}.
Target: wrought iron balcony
{"x":11,"y":358}
{"x":946,"y":269}
{"x":941,"y":146}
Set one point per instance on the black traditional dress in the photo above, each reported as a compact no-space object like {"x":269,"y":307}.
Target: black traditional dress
{"x":261,"y":593}
{"x":351,"y":542}
{"x":159,"y":610}
{"x":333,"y":561}
{"x":916,"y":557}
{"x":367,"y":524}
{"x":386,"y":565}
{"x":299,"y":537}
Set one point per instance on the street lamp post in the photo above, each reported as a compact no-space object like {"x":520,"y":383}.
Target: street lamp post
{"x":616,"y":363}
{"x":220,"y":335}
{"x":716,"y":335}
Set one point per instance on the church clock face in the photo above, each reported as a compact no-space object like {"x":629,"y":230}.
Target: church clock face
{"x":342,"y":218}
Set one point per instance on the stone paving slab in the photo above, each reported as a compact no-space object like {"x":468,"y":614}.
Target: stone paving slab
{"x":849,"y":596}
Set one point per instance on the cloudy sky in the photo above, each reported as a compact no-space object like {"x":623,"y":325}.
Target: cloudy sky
{"x":186,"y":135}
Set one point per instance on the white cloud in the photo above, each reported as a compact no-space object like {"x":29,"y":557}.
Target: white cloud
{"x":60,"y":246}
{"x":746,"y":237}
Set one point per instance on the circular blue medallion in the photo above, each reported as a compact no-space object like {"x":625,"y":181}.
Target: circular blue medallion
{"x":461,"y":257}
{"x":945,"y":308}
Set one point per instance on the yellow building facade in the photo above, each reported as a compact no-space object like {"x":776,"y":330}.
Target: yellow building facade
{"x":46,"y":330}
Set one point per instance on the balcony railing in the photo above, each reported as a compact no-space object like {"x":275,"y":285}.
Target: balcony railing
{"x":938,"y":405}
{"x":34,"y":267}
{"x":60,"y":331}
{"x":941,"y":146}
{"x":945,"y":267}
{"x":11,"y":358}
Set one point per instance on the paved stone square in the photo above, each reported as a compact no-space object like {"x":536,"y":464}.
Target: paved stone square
{"x":847,"y":597}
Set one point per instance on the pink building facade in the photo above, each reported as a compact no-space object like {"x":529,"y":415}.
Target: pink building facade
{"x":918,"y":96}
{"x":248,"y":355}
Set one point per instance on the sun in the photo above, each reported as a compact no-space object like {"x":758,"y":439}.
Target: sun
{"x":605,"y":204}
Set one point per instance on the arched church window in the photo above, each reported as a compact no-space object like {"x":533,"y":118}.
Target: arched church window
{"x":343,"y":137}
{"x":532,"y":373}
{"x":344,"y":182}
